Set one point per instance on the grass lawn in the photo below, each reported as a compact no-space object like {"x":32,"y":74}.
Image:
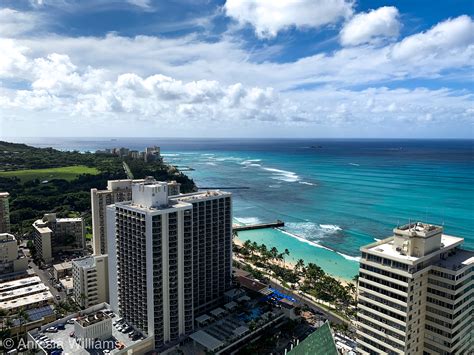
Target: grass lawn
{"x":66,"y":173}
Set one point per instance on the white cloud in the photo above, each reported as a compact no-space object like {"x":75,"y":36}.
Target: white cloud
{"x":269,"y":17}
{"x":14,"y":23}
{"x":370,"y":26}
{"x":152,"y":79}
{"x":447,"y":38}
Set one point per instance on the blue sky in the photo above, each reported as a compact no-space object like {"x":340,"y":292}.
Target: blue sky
{"x":237,"y":68}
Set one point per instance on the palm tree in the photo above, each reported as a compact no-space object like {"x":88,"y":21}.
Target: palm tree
{"x":274,"y":252}
{"x":287,"y":253}
{"x":299,"y":267}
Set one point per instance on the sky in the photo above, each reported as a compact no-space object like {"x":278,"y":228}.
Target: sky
{"x":237,"y":68}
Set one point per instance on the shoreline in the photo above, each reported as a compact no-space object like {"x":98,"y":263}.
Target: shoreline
{"x":291,"y":264}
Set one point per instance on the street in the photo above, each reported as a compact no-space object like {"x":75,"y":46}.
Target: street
{"x":45,"y":277}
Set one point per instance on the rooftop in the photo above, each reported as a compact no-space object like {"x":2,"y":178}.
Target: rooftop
{"x":460,"y":259}
{"x":26,"y":300}
{"x":385,"y":248}
{"x":10,"y":285}
{"x":4,"y":194}
{"x":320,"y":342}
{"x":6,"y":237}
{"x":63,"y":338}
{"x":69,"y":220}
{"x":23,"y":291}
{"x":93,"y":318}
{"x":200,"y":195}
{"x":63,"y":266}
{"x":85,"y":262}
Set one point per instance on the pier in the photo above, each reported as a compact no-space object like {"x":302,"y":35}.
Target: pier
{"x":224,"y":188}
{"x":277,"y":224}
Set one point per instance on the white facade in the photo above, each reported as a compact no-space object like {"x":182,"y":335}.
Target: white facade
{"x":10,"y":259}
{"x":97,"y":325}
{"x":150,"y":243}
{"x":415,"y":294}
{"x":91,"y":280}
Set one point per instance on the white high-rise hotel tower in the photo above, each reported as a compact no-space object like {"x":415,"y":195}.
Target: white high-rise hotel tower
{"x":169,"y":257}
{"x":415,"y":294}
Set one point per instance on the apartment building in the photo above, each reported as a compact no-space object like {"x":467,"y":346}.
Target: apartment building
{"x":90,"y":280}
{"x":11,"y":258}
{"x":117,"y":191}
{"x":415,"y":294}
{"x":153,"y":241}
{"x":212,"y":246}
{"x":54,"y":234}
{"x":4,"y":212}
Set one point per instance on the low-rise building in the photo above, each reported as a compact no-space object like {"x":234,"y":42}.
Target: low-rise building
{"x":91,"y":280}
{"x":68,"y":285}
{"x":27,"y":293}
{"x":97,"y":325}
{"x":89,"y":331}
{"x":62,"y":270}
{"x":54,"y":234}
{"x":12,"y":258}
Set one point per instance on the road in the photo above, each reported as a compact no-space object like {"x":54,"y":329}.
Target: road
{"x":312,"y":305}
{"x":45,"y":276}
{"x":127,"y":171}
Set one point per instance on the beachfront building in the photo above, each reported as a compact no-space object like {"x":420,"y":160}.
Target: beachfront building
{"x":152,"y":153}
{"x":156,"y":279}
{"x":4,"y":213}
{"x":415,"y":294}
{"x":117,"y":191}
{"x":52,"y":234}
{"x":90,"y":280}
{"x":12,"y":259}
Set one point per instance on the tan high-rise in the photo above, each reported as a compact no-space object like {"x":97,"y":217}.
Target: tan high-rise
{"x":4,"y":213}
{"x":117,"y":191}
{"x":415,"y":294}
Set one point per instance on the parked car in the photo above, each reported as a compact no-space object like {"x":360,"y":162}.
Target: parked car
{"x":52,"y":330}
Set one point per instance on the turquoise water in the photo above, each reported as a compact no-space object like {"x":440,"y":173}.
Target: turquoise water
{"x":331,"y":262}
{"x":340,"y":194}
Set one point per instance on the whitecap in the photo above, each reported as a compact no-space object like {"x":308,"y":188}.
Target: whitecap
{"x":169,"y":155}
{"x":301,"y":239}
{"x":211,"y":163}
{"x":354,"y":164}
{"x":247,"y":220}
{"x":307,"y":183}
{"x":282,"y":175}
{"x":330,"y":227}
{"x":348,"y":257}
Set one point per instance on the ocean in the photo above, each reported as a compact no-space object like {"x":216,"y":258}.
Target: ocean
{"x":333,"y":195}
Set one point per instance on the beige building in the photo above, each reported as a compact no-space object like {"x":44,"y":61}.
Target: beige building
{"x":55,"y":234}
{"x":62,"y":270}
{"x":12,"y":258}
{"x":90,"y":280}
{"x":117,"y":191}
{"x":415,"y":294}
{"x":4,"y":213}
{"x":27,"y":293}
